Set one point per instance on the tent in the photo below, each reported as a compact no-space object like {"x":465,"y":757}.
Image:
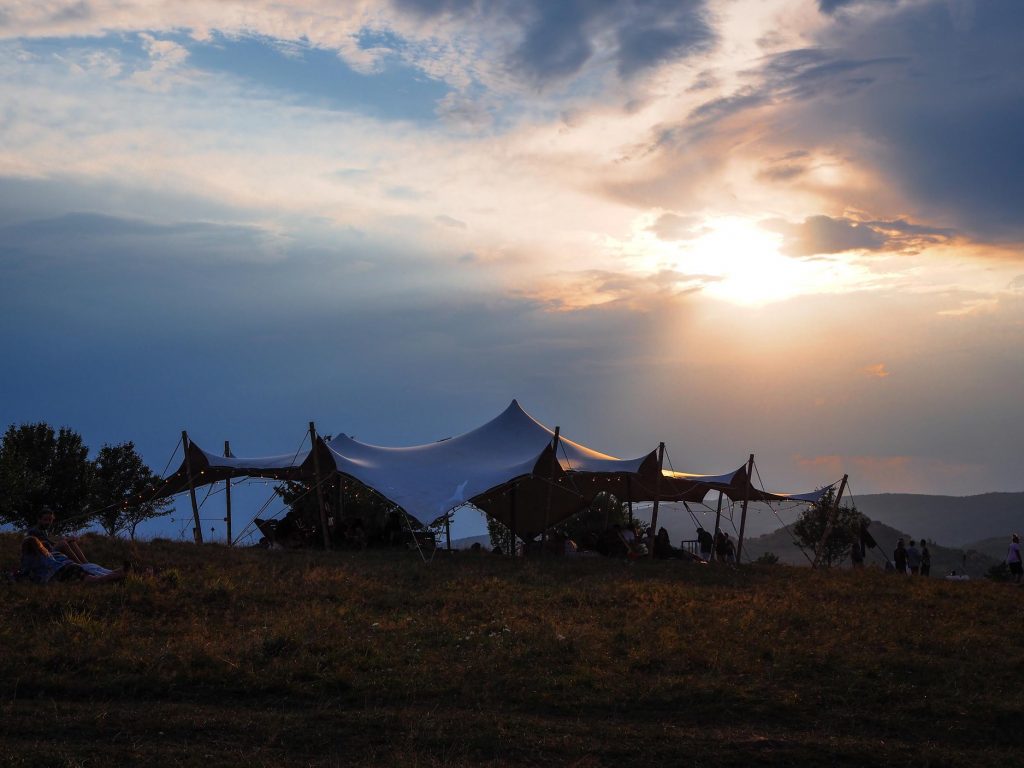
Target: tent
{"x":514,"y":468}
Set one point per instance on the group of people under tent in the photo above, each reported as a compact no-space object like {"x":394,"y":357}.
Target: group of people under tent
{"x":47,"y":558}
{"x":715,"y":548}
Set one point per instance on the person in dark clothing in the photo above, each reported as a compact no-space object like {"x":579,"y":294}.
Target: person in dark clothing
{"x":899,"y":558}
{"x":857,"y":555}
{"x":926,"y":559}
{"x":705,"y":543}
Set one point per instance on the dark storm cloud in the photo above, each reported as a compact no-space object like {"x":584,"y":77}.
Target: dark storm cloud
{"x":928,"y":97}
{"x":558,"y":39}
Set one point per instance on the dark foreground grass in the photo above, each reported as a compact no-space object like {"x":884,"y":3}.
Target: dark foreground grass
{"x":245,"y":657}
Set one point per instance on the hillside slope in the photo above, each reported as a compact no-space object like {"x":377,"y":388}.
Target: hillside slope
{"x":954,"y":521}
{"x":944,"y":559}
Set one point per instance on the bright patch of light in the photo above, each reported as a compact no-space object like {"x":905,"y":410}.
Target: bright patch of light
{"x":739,"y":261}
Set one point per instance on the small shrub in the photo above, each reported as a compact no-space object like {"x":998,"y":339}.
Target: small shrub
{"x":768,"y":558}
{"x":1000,"y":572}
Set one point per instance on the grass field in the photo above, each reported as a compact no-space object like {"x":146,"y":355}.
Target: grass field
{"x":257,"y":658}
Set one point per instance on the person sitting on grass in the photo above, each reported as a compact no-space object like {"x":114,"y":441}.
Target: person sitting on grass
{"x":66,"y":545}
{"x":43,"y":566}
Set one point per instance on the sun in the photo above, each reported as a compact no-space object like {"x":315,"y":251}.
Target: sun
{"x":739,"y":261}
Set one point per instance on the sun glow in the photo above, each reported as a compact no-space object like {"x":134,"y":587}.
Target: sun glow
{"x":739,"y":261}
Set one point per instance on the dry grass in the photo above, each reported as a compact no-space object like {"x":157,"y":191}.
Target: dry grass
{"x":321,"y":659}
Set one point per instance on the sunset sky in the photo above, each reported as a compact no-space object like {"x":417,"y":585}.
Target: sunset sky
{"x":788,"y":227}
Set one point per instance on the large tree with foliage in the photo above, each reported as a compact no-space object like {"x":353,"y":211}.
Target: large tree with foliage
{"x":813,"y":522}
{"x":40,"y":467}
{"x":122,"y":490}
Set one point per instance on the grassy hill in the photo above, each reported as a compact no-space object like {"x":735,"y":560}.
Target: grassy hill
{"x":291,"y":658}
{"x":973,"y":560}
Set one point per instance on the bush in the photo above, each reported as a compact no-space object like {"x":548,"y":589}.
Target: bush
{"x":1000,"y":572}
{"x":768,"y":558}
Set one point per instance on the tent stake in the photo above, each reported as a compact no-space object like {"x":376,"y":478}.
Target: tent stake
{"x":319,"y":488}
{"x":746,"y":501}
{"x":819,"y":551}
{"x":652,"y":531}
{"x":227,"y":496}
{"x":197,"y":531}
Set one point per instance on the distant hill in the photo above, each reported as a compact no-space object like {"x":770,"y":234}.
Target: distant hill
{"x":944,"y":559}
{"x":994,"y":548}
{"x":953,"y":520}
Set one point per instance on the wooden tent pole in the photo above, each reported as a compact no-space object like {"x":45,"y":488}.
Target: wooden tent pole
{"x":653,"y":531}
{"x":448,"y":531}
{"x":746,"y":501}
{"x":227,"y":496}
{"x":319,"y":487}
{"x":819,"y":551}
{"x":197,"y":531}
{"x":512,"y":520}
{"x":718,"y":527}
{"x":551,"y":481}
{"x":629,"y":501}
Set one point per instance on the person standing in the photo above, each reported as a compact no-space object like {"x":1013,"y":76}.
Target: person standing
{"x":1013,"y":559}
{"x":926,"y":559}
{"x":914,"y":558}
{"x":705,"y":543}
{"x":899,"y":558}
{"x":856,"y":555}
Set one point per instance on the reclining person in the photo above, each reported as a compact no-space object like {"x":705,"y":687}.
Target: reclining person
{"x":67,"y":545}
{"x":43,"y":566}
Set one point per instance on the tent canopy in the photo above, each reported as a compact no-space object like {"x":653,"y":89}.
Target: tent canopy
{"x":508,"y":467}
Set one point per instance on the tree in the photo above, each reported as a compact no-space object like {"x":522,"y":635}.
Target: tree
{"x":587,"y":526}
{"x":41,"y":468}
{"x":122,"y":490}
{"x":814,"y":520}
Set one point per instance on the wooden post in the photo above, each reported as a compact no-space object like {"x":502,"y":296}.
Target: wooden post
{"x":512,"y":520}
{"x":197,"y":531}
{"x":718,"y":528}
{"x":819,"y":551}
{"x":746,"y":501}
{"x":319,"y":486}
{"x":227,"y":496}
{"x":653,"y":531}
{"x":629,"y":500}
{"x":448,"y":531}
{"x":551,"y":481}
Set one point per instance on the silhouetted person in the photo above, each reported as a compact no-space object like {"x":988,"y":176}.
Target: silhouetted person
{"x":914,"y":558}
{"x":705,"y":543}
{"x":926,"y":559}
{"x":856,"y":555}
{"x":1013,"y":559}
{"x":899,"y":558}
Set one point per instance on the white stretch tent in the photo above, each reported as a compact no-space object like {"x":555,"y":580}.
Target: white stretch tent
{"x":506,"y":467}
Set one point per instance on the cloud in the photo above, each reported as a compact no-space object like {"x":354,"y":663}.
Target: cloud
{"x":671,"y":226}
{"x":878,"y":371}
{"x":588,"y":289}
{"x":447,"y":221}
{"x":831,"y":6}
{"x":822,"y":234}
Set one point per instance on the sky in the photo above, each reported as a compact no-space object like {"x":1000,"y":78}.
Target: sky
{"x":786,"y":227}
